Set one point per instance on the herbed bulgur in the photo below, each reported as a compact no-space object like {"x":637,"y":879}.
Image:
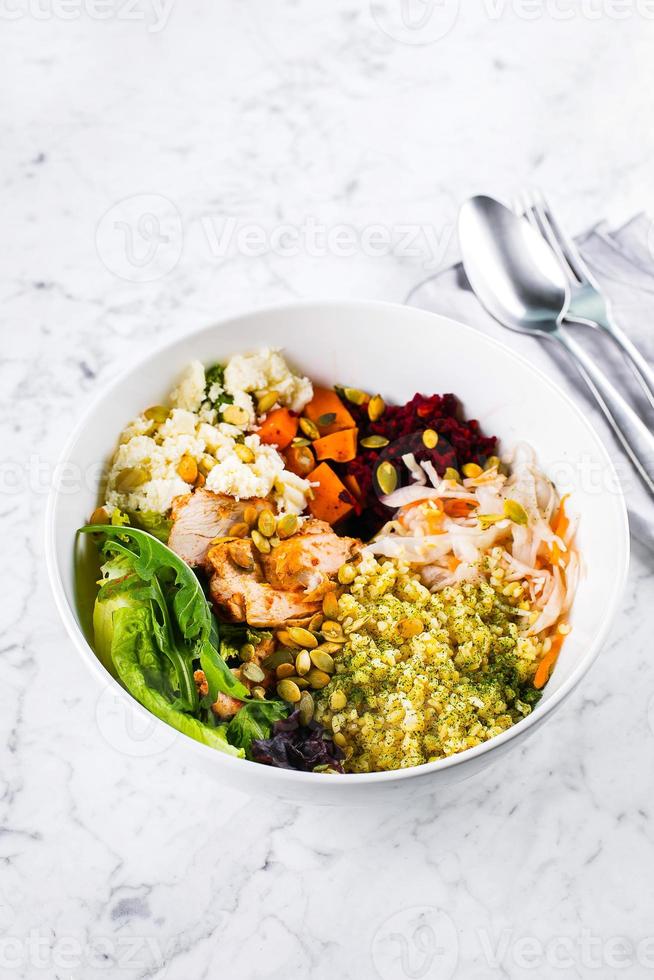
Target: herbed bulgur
{"x":424,"y":675}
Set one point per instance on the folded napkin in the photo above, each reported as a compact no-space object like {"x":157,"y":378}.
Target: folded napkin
{"x":623,"y":263}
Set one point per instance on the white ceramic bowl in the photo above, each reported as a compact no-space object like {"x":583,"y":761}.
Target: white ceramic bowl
{"x":396,"y":350}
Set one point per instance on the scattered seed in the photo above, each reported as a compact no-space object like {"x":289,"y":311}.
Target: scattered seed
{"x":267,"y":401}
{"x":327,"y":419}
{"x":487,"y":520}
{"x":309,"y":428}
{"x":376,"y":408}
{"x":284,"y":637}
{"x":386,"y":477}
{"x":306,"y":708}
{"x":340,"y":740}
{"x":492,"y":462}
{"x":157,"y":413}
{"x":289,"y":691}
{"x":99,"y":516}
{"x":301,"y":441}
{"x":332,"y":630}
{"x":318,"y":679}
{"x":250,"y":515}
{"x":302,"y":637}
{"x":515,"y":512}
{"x":329,"y":648}
{"x":266,"y":523}
{"x":200,"y":480}
{"x":303,"y":663}
{"x":430,"y":438}
{"x":330,"y":606}
{"x":244,"y":453}
{"x":356,"y":396}
{"x":240,"y":530}
{"x":472,"y":470}
{"x":240,"y":555}
{"x":285,"y":670}
{"x":187,"y":468}
{"x":338,"y":700}
{"x":451,"y":474}
{"x":374,"y":442}
{"x":262,"y":544}
{"x":259,"y":693}
{"x":316,"y":622}
{"x":274,"y":541}
{"x":323,"y":661}
{"x":206,"y":463}
{"x":411,"y":626}
{"x":253,"y":672}
{"x":357,"y":624}
{"x":287,"y":526}
{"x":564,"y":628}
{"x":131,"y":478}
{"x":347,"y":574}
{"x":280,"y":656}
{"x":235,"y":415}
{"x":247,"y":652}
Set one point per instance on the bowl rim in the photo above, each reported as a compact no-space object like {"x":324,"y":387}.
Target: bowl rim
{"x":176,"y":738}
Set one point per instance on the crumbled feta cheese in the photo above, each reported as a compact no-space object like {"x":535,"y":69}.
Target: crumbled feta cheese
{"x":266,"y":370}
{"x":189,"y":393}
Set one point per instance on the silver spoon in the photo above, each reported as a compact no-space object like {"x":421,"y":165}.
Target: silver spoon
{"x":517,"y":277}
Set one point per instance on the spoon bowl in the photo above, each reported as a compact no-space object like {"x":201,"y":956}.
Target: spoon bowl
{"x":512,"y":270}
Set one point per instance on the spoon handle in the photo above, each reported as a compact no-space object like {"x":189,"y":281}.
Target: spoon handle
{"x":635,"y":437}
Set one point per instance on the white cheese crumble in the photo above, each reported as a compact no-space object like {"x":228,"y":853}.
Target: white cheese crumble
{"x":189,"y":393}
{"x":266,"y":370}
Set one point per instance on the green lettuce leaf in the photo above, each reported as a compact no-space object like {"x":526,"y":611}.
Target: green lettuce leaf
{"x":148,"y":520}
{"x":253,"y":721}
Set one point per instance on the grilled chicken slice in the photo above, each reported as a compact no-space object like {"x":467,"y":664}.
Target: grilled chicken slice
{"x":241,"y":594}
{"x":199,"y":517}
{"x":308,"y":560}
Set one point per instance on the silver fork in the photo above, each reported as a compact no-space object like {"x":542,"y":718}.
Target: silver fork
{"x":587,"y":303}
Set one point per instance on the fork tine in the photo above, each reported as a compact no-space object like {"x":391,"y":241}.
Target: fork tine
{"x":543,"y":226}
{"x":566,"y":243}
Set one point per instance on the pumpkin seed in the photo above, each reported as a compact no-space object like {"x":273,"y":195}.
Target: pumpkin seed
{"x":262,"y":544}
{"x":235,"y":415}
{"x":266,"y":523}
{"x":347,"y":574}
{"x":487,"y":520}
{"x":451,"y":474}
{"x":287,"y":526}
{"x":276,"y":659}
{"x":240,"y":530}
{"x":302,"y":637}
{"x":301,"y":682}
{"x":492,"y":462}
{"x":386,"y":477}
{"x":303,"y":663}
{"x":284,"y":637}
{"x":301,"y":441}
{"x":327,"y":419}
{"x":318,"y":679}
{"x":323,"y":661}
{"x":329,"y":647}
{"x":356,"y":396}
{"x":430,"y":438}
{"x":289,"y":691}
{"x":285,"y":670}
{"x":306,"y":708}
{"x":410,"y":626}
{"x":247,"y":652}
{"x":316,"y":622}
{"x":250,"y":515}
{"x":515,"y":512}
{"x":274,"y":541}
{"x":376,"y":408}
{"x":187,"y":468}
{"x":340,"y":740}
{"x":337,"y":701}
{"x":267,"y":401}
{"x":99,"y":516}
{"x":333,"y":631}
{"x":309,"y":428}
{"x":131,"y":478}
{"x":240,"y":556}
{"x":259,"y":693}
{"x":472,"y":470}
{"x":157,"y":413}
{"x":206,"y":463}
{"x":253,"y":672}
{"x":330,"y":606}
{"x":244,"y":453}
{"x":374,"y":442}
{"x":357,"y":624}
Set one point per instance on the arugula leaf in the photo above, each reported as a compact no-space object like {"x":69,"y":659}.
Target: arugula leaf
{"x":254,"y":721}
{"x":140,"y":669}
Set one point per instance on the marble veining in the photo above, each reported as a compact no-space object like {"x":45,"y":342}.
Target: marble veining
{"x":167,"y":163}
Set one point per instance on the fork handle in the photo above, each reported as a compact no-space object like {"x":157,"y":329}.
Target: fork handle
{"x":637,"y":362}
{"x":635,"y":437}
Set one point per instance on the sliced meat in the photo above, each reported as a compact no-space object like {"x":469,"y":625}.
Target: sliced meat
{"x":199,"y":517}
{"x":241,"y":594}
{"x":225,"y":707}
{"x":309,"y":559}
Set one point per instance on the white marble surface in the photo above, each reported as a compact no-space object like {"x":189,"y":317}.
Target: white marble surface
{"x":272,"y":114}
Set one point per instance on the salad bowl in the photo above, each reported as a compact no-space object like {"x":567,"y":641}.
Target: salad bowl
{"x":399,"y":351}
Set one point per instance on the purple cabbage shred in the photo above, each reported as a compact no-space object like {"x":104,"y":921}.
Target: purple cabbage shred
{"x":296,"y":746}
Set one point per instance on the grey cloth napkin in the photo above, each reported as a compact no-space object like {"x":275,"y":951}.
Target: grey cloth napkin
{"x":623,"y":263}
